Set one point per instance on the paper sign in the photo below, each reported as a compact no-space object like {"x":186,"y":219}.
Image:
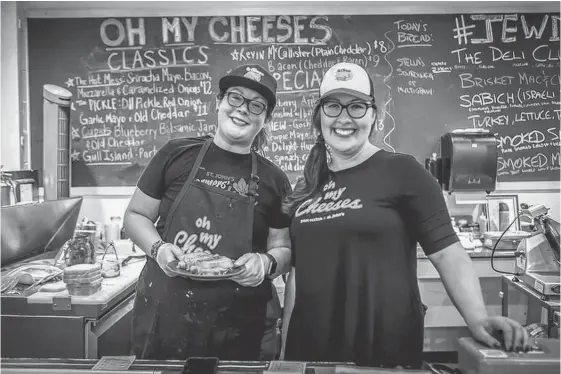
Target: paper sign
{"x":114,"y":363}
{"x":287,"y":367}
{"x":493,"y":353}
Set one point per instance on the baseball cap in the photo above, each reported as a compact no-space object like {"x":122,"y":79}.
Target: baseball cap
{"x":345,"y":77}
{"x":253,"y":77}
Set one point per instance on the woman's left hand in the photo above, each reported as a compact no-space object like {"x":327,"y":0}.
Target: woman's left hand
{"x":514,"y":336}
{"x":254,"y":272}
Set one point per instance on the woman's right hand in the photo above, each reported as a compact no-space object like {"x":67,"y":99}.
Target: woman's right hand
{"x":166,"y":254}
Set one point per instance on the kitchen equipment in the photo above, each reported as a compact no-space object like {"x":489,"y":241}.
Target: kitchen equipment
{"x":8,"y":189}
{"x":82,"y":279}
{"x":54,"y":323}
{"x":129,"y":258}
{"x":468,"y":160}
{"x":509,"y":241}
{"x":475,"y":358}
{"x":537,"y":255}
{"x":56,"y":142}
{"x":19,"y":186}
{"x":62,"y":324}
{"x":81,"y":248}
{"x":110,"y":268}
{"x":36,"y":228}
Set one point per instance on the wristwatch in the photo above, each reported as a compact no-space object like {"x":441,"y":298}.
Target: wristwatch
{"x":272,"y":265}
{"x":155,"y":247}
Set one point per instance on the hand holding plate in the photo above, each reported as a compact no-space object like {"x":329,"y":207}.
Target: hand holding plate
{"x":254,"y":272}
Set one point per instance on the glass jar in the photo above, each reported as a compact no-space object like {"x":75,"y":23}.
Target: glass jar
{"x":81,"y":248}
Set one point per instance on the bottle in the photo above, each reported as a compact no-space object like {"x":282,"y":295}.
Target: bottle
{"x":504,"y":216}
{"x":113,"y":230}
{"x":456,"y":229}
{"x":482,"y":221}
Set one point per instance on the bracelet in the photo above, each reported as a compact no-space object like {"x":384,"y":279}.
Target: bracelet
{"x":155,"y":247}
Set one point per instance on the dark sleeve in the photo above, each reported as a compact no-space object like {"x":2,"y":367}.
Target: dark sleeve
{"x":427,"y":214}
{"x":276,"y":219}
{"x":152,"y":180}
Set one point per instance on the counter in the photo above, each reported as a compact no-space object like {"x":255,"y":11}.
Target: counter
{"x":100,"y":324}
{"x":443,"y":323}
{"x":55,"y":324}
{"x":147,"y":366}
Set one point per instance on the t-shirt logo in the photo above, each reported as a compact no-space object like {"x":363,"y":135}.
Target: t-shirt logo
{"x":241,"y":187}
{"x":329,"y":205}
{"x":253,"y":73}
{"x":225,"y":182}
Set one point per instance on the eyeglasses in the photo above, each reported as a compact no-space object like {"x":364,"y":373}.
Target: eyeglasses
{"x":355,"y":109}
{"x":236,"y":100}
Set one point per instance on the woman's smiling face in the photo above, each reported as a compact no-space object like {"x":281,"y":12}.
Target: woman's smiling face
{"x":346,"y":135}
{"x":237,"y":125}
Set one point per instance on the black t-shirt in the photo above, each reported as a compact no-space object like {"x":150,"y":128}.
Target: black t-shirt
{"x":168,"y":170}
{"x":354,"y":248}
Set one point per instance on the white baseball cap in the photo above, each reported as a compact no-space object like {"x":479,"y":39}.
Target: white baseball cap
{"x":349,"y":78}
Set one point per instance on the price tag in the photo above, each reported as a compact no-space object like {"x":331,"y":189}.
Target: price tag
{"x":493,"y":353}
{"x":538,"y":286}
{"x":114,"y":363}
{"x":292,"y":367}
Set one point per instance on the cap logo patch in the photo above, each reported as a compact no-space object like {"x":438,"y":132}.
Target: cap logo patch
{"x":343,"y":74}
{"x":253,"y":73}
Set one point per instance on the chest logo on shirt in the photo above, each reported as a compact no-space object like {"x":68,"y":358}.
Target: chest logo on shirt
{"x":225,"y":182}
{"x":332,"y":202}
{"x":197,"y":242}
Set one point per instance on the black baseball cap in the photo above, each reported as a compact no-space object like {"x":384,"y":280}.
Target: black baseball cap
{"x":253,"y":77}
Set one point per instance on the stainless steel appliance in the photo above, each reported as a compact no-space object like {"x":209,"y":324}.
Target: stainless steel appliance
{"x":475,"y":358}
{"x":32,"y":229}
{"x":537,"y":256}
{"x":56,"y":141}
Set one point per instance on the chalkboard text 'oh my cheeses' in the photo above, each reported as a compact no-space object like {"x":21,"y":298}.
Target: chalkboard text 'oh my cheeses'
{"x":227,"y":30}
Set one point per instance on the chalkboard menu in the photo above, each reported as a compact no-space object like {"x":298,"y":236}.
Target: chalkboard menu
{"x":138,"y":82}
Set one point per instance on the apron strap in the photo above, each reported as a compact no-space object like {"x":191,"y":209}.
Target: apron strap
{"x":187,"y":184}
{"x":252,"y":190}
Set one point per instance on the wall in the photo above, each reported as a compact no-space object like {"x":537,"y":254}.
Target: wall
{"x":10,"y":152}
{"x":102,"y":203}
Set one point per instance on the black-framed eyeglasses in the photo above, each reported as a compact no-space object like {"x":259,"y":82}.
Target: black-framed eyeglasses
{"x":355,"y":110}
{"x":237,"y":100}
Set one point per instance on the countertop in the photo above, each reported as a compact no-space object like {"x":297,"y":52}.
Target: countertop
{"x":478,"y":252}
{"x":171,"y":366}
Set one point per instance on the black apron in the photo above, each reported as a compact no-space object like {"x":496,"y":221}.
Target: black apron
{"x":176,"y":318}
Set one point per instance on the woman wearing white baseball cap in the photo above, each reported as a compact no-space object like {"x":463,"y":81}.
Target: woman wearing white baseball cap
{"x":216,"y":195}
{"x":356,"y":219}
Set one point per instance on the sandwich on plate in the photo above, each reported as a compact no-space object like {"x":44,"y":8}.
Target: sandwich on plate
{"x":204,"y":263}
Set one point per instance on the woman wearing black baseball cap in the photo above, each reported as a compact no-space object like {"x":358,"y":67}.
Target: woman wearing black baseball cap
{"x":213,"y":194}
